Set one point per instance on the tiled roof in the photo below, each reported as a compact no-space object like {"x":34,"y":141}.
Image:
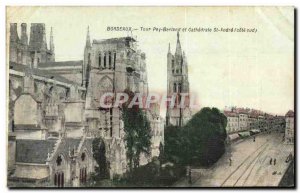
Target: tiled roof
{"x":254,"y":114}
{"x":72,"y":144}
{"x":60,"y":64}
{"x":36,"y":151}
{"x":27,"y":127}
{"x":114,"y":40}
{"x":39,"y":72}
{"x":33,"y":151}
{"x":230,"y":114}
{"x":242,"y":111}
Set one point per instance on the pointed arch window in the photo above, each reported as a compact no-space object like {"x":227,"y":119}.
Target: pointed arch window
{"x":111,"y":121}
{"x":115,"y":56}
{"x":83,"y":156}
{"x":59,"y":179}
{"x":100,"y":60}
{"x":89,"y":58}
{"x":109,"y":59}
{"x":59,"y":160}
{"x":104,"y":62}
{"x":62,"y":179}
{"x":55,"y":179}
{"x":179,"y":87}
{"x":174,"y":87}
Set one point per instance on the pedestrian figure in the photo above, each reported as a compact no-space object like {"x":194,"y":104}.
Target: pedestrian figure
{"x":253,"y":139}
{"x":271,"y":161}
{"x":230,"y":161}
{"x":275,"y":161}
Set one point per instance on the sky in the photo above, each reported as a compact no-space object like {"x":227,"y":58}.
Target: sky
{"x":242,"y":69}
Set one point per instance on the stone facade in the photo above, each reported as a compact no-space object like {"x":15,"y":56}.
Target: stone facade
{"x":245,"y":119}
{"x":289,"y":127}
{"x":54,"y":112}
{"x":232,"y":122}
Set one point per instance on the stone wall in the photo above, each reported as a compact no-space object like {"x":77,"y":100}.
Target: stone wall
{"x":26,"y":110}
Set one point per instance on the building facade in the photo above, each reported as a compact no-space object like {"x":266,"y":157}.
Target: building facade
{"x":289,"y":127}
{"x":245,"y":119}
{"x":232,"y":122}
{"x":54,"y":111}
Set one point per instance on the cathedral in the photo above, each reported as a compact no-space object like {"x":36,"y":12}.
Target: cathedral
{"x":178,"y":87}
{"x":54,"y":111}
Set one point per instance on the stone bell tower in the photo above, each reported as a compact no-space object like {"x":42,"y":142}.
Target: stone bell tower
{"x":178,"y":84}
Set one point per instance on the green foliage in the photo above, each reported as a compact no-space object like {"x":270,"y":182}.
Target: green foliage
{"x":200,"y":142}
{"x":207,"y":133}
{"x":101,"y":170}
{"x":161,"y":156}
{"x":151,"y":175}
{"x":175,"y":143}
{"x":137,"y":133}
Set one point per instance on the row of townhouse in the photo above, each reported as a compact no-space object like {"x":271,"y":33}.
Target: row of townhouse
{"x":246,"y":119}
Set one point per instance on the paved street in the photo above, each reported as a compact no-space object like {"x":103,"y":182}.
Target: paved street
{"x":250,"y":164}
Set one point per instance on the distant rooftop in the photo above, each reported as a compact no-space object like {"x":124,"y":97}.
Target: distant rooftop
{"x":230,"y":114}
{"x":114,"y":40}
{"x":39,"y":72}
{"x":60,"y":64}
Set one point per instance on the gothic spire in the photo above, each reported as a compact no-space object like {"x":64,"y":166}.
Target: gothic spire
{"x":169,"y":51}
{"x":88,"y":39}
{"x":51,"y":41}
{"x":178,"y":46}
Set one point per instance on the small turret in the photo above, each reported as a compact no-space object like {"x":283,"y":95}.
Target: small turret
{"x":14,"y":32}
{"x":88,"y":39}
{"x":178,"y":46}
{"x":51,"y":41}
{"x":52,"y":47}
{"x":24,"y":37}
{"x":37,"y":40}
{"x":87,"y":59}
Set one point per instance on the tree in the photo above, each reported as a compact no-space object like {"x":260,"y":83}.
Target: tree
{"x":137,"y":132}
{"x":200,"y":142}
{"x":161,"y":157}
{"x":101,"y":170}
{"x":206,"y":134}
{"x":174,"y":144}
